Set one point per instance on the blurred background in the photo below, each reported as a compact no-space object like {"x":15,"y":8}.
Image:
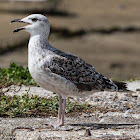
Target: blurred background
{"x":104,"y":33}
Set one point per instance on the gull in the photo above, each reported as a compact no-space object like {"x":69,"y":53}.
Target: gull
{"x":63,"y":73}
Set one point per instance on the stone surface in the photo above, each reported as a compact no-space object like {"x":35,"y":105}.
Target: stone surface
{"x":114,"y":117}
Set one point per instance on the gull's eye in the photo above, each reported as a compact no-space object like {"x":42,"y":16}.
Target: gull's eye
{"x":34,"y":19}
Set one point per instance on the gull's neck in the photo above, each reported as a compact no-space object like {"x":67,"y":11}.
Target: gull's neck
{"x":39,"y":39}
{"x":38,"y":48}
{"x":39,"y":45}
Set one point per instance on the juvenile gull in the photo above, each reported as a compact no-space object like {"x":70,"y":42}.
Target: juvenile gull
{"x":62,"y":73}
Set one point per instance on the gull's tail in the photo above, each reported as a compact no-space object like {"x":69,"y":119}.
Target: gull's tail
{"x":129,"y":86}
{"x":122,"y":86}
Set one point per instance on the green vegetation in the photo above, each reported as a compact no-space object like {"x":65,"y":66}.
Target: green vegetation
{"x":26,"y":106}
{"x":15,"y":75}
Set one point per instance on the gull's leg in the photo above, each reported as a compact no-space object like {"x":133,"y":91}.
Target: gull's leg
{"x":63,"y":111}
{"x":60,"y":109}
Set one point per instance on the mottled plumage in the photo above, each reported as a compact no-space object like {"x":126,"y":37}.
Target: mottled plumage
{"x":54,"y":70}
{"x":83,"y":75}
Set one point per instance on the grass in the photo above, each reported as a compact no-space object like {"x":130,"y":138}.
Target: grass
{"x":16,"y":75}
{"x":34,"y":106}
{"x":25,"y":105}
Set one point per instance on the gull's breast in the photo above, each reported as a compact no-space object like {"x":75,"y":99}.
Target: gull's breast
{"x":45,"y":78}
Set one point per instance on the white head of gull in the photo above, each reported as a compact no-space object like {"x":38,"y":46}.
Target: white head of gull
{"x":62,"y":73}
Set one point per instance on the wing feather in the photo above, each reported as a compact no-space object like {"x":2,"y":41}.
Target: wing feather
{"x":83,"y":75}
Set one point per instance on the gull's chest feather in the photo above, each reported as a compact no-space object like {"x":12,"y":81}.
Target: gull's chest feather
{"x":38,"y":61}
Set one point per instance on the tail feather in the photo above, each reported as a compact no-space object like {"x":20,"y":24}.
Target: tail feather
{"x":122,"y":86}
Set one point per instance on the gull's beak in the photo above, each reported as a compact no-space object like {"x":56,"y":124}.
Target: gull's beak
{"x":18,"y":20}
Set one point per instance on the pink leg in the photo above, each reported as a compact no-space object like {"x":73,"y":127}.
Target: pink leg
{"x":61,"y":112}
{"x":60,"y":108}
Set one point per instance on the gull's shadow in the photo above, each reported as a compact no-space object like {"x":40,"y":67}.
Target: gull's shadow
{"x":105,"y":126}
